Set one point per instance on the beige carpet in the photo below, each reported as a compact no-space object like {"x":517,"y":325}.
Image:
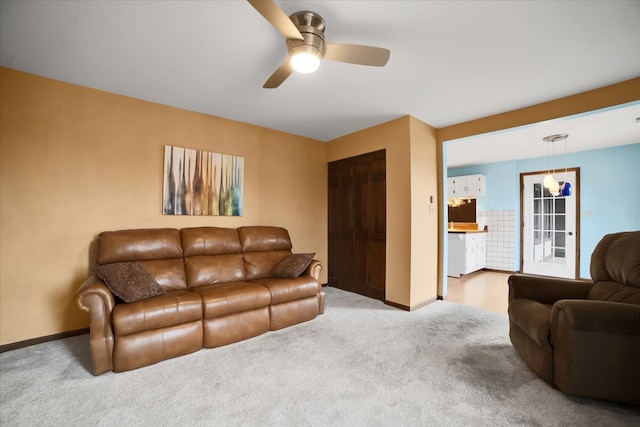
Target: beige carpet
{"x":360,"y":364}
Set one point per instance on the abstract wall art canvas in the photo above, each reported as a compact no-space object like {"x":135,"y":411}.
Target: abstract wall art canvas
{"x":198,"y":182}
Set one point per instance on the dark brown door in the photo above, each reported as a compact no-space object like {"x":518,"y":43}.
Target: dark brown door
{"x":357,"y":224}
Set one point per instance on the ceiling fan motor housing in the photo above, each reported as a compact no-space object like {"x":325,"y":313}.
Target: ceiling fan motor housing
{"x":311,"y":27}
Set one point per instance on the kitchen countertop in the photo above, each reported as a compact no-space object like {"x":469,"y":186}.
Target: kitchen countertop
{"x":459,"y":230}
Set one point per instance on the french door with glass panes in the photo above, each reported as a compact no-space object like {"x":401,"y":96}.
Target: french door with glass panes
{"x":549,"y":238}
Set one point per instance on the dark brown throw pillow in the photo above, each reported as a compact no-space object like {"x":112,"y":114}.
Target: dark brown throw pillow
{"x":129,"y":281}
{"x":292,"y":266}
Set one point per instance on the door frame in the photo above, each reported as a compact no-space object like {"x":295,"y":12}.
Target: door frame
{"x":576,"y":194}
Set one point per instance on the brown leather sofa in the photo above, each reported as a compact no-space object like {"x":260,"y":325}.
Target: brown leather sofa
{"x":218,"y":291}
{"x":584,"y":338}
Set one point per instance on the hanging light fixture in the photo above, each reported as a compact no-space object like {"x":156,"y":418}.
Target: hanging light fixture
{"x":454,"y":203}
{"x":565,"y":189}
{"x":549,"y":181}
{"x":548,"y":178}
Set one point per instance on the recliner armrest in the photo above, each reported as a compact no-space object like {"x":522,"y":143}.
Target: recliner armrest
{"x":595,"y":349}
{"x":546,"y":290}
{"x":597,"y":316}
{"x":95,"y":297}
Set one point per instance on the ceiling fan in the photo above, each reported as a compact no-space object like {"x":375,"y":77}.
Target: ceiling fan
{"x":304,"y":32}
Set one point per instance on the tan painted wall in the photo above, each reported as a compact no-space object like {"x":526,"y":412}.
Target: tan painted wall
{"x":608,"y":96}
{"x":394,"y":137}
{"x":424,"y":212}
{"x":76,"y":161}
{"x":409,"y":144}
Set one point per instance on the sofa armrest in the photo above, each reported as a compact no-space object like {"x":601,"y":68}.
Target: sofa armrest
{"x":546,"y":290}
{"x":314,"y":270}
{"x":94,"y":297}
{"x":595,"y":349}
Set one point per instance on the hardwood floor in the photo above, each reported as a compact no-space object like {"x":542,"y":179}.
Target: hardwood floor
{"x":483,"y":289}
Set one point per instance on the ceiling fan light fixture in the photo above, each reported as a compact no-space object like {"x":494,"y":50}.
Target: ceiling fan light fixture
{"x":304,"y":36}
{"x":305,"y":59}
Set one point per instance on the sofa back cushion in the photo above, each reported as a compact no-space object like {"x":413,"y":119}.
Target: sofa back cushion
{"x":615,"y":268}
{"x":212,"y":255}
{"x":262,"y":248}
{"x":158,"y":250}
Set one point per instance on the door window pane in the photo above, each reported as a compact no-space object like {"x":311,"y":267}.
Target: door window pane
{"x":537,"y":206}
{"x":537,"y":190}
{"x":559,"y":240}
{"x":537,"y":222}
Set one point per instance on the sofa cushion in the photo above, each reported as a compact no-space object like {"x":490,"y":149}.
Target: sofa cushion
{"x":533,"y":319}
{"x":139,"y":245}
{"x":262,"y":238}
{"x":169,"y":273}
{"x":285,"y":290}
{"x":159,"y":250}
{"x":209,"y":241}
{"x":173,"y":308}
{"x":212,"y":255}
{"x":292,"y":266}
{"x":263,"y":248}
{"x":129,"y":281}
{"x":258,"y":265}
{"x":234,"y":297}
{"x":208,"y":270}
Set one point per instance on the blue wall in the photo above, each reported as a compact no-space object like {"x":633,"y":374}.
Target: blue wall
{"x":609,"y":190}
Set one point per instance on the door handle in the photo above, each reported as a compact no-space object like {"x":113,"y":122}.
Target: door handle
{"x":570,"y":233}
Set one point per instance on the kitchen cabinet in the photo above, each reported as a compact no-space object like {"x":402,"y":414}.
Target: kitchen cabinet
{"x":467,"y":252}
{"x":466,"y":186}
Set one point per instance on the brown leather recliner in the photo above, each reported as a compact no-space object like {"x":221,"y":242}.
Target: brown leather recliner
{"x":581,"y":337}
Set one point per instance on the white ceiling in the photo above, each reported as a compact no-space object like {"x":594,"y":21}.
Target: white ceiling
{"x":589,"y":131}
{"x":451,"y":61}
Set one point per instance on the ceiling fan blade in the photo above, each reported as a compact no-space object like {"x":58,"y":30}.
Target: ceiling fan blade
{"x":277,"y":18}
{"x":357,"y":54}
{"x":279,"y":75}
